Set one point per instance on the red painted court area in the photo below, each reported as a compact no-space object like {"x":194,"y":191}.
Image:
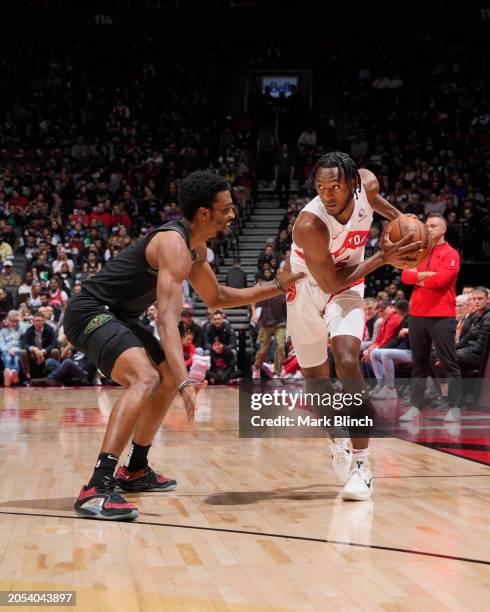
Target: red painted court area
{"x":469,"y":438}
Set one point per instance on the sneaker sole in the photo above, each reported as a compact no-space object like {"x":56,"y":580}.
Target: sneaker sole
{"x":123,"y":517}
{"x":144,"y":490}
{"x":354,"y":497}
{"x":418,"y":417}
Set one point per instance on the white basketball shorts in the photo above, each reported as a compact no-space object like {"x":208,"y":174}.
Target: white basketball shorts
{"x":314,"y":315}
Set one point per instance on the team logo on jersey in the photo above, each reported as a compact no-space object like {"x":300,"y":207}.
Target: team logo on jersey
{"x":354,"y":240}
{"x":96,"y":322}
{"x":291,"y":294}
{"x":362,"y":214}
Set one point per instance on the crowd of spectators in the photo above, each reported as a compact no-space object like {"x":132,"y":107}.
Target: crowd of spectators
{"x":92,"y":157}
{"x":387,"y":343}
{"x":93,"y":154}
{"x":427,"y":145}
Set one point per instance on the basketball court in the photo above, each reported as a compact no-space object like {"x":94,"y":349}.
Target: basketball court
{"x":254,"y":524}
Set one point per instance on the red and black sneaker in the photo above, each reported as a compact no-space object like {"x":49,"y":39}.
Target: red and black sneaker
{"x":143,"y":480}
{"x":104,"y":503}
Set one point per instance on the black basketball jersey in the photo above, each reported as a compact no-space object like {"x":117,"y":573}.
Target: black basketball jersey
{"x":127,"y":283}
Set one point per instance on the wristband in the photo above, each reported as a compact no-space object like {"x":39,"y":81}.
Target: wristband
{"x":184,"y":384}
{"x":278,"y":285}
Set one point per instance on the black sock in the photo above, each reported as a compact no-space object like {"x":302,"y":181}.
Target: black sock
{"x":137,"y":457}
{"x":105,"y":467}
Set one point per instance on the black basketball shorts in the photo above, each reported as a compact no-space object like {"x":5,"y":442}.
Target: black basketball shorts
{"x":103,"y":336}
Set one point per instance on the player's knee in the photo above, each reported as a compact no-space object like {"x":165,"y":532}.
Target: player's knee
{"x":147,"y":382}
{"x":348,"y":364}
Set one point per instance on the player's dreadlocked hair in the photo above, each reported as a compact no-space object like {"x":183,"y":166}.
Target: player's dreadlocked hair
{"x":347,"y":169}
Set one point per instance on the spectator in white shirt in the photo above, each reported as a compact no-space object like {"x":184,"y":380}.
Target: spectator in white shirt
{"x":26,"y":285}
{"x":61,"y":259}
{"x":307,"y":140}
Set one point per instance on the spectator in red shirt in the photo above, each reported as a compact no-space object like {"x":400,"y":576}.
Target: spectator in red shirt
{"x":101,"y":215}
{"x":389,"y":327}
{"x":119,"y":217}
{"x":19,"y":200}
{"x":188,"y":347}
{"x":75,"y":244}
{"x":80,"y":216}
{"x":433,"y":319}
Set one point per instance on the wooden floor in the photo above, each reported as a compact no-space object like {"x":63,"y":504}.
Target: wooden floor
{"x":253,"y":524}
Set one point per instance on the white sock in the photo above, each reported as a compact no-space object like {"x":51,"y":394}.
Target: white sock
{"x":361,"y":457}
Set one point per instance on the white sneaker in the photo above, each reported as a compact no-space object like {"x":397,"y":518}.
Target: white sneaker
{"x":385,"y":393}
{"x":299,"y":375}
{"x":255,"y":373}
{"x":377,"y":389}
{"x":453,"y":415}
{"x":360,"y":485}
{"x":411,"y":414}
{"x":341,"y":457}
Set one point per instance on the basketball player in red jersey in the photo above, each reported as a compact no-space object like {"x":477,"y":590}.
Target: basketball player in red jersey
{"x":329,"y":236}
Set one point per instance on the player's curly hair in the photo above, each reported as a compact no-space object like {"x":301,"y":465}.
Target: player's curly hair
{"x":200,"y":189}
{"x":347,"y":169}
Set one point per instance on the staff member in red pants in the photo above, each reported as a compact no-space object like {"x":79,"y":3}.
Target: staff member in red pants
{"x":433,"y":319}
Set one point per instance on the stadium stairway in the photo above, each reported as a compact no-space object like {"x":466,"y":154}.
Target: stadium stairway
{"x":263,"y":223}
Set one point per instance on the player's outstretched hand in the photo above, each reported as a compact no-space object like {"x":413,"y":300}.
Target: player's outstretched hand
{"x":286,"y":278}
{"x":189,"y":395}
{"x":400,"y":253}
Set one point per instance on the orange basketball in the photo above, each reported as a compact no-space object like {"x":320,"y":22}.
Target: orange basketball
{"x":404,"y":225}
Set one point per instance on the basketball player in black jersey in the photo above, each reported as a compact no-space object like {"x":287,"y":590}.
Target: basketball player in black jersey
{"x":102,"y":321}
